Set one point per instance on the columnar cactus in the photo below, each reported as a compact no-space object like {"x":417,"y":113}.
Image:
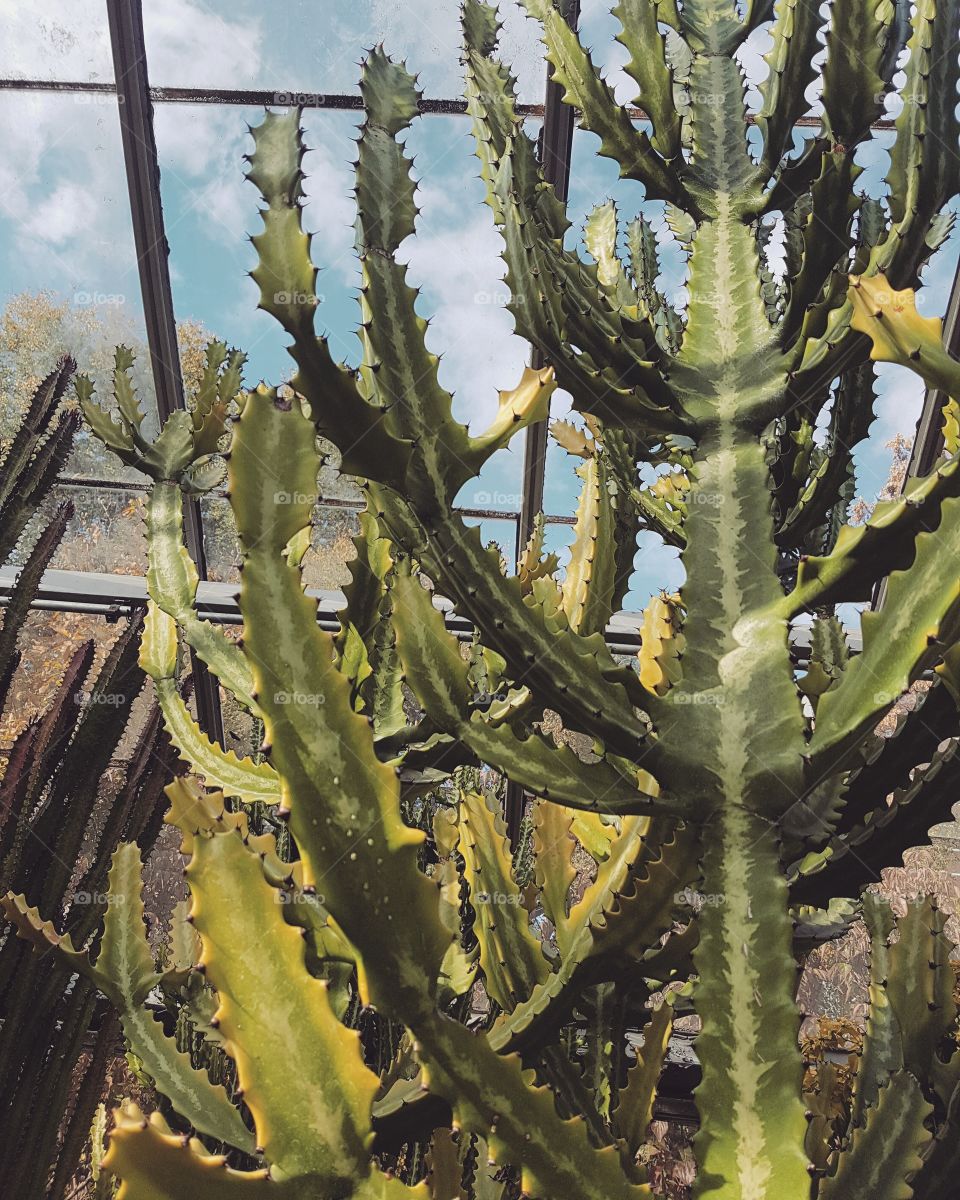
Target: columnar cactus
{"x":735,"y":809}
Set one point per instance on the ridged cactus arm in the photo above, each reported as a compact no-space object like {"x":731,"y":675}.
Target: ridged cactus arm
{"x":286,"y":277}
{"x":863,"y":46}
{"x":791,"y":71}
{"x":398,"y":369}
{"x":831,"y":484}
{"x":648,"y":68}
{"x":439,"y":676}
{"x":221,"y":768}
{"x":24,"y":591}
{"x":222,"y":379}
{"x":617,"y":926}
{"x":116,"y":436}
{"x":324,"y":754}
{"x":124,"y":971}
{"x":28,"y":471}
{"x":753,"y":1124}
{"x":916,"y":625}
{"x":634,"y":1109}
{"x":600,"y":233}
{"x":556,"y":298}
{"x":887,"y":763}
{"x":490,"y":91}
{"x":588,"y":586}
{"x":183,"y":449}
{"x":365,"y":595}
{"x":343,"y":803}
{"x":511,"y":958}
{"x":886,"y":1153}
{"x":924,"y":173}
{"x":153,"y":1163}
{"x":898,"y":334}
{"x":557,"y":307}
{"x":172,"y":582}
{"x":620,"y":140}
{"x":864,"y":554}
{"x":900,"y":1074}
{"x":553,"y":847}
{"x":38,"y":421}
{"x":125,"y":397}
{"x":882,"y":1050}
{"x":855,"y":857}
{"x":827,"y":237}
{"x":313,"y":1121}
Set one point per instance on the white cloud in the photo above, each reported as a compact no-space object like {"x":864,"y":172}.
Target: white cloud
{"x":189,"y":44}
{"x":55,"y":41}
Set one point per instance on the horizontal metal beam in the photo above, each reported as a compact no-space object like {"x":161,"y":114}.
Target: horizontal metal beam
{"x":287,"y":97}
{"x":116,"y":596}
{"x":137,"y":485}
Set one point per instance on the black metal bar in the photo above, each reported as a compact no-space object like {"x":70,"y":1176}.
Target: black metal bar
{"x":143,"y":183}
{"x":337,"y":101}
{"x":139,"y":485}
{"x":556,"y":148}
{"x":114,"y":596}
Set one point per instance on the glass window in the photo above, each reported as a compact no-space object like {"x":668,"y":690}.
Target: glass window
{"x":56,"y":41}
{"x":302,"y":47}
{"x":67,"y":257}
{"x":210,"y":208}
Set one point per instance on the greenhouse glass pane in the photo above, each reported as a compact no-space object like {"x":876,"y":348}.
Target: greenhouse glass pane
{"x":106,"y":533}
{"x":454,"y":260}
{"x":300,"y":48}
{"x":210,"y":208}
{"x":67,"y":257}
{"x":325,"y":564}
{"x":59,"y":40}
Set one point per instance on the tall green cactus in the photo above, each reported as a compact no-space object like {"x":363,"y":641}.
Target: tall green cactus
{"x":734,"y":809}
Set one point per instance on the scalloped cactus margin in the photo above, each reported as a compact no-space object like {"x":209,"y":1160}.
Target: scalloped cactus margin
{"x":721,"y":798}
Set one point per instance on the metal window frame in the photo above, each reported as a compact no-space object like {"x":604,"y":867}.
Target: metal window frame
{"x":135,"y":100}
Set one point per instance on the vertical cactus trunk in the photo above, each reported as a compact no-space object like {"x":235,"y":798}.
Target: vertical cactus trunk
{"x":734,"y":720}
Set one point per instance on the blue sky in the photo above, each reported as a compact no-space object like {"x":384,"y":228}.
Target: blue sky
{"x":64,"y":220}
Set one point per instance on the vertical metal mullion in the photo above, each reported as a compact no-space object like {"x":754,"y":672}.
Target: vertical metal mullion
{"x":143,"y":184}
{"x":556,"y":148}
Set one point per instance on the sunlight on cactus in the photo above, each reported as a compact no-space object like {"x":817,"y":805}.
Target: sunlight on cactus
{"x":360,"y":948}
